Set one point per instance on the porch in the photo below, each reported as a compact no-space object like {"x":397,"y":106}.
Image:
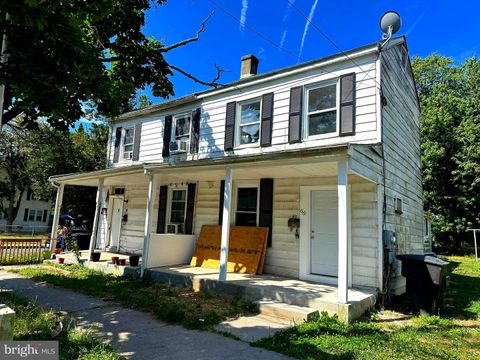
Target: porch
{"x":270,"y":288}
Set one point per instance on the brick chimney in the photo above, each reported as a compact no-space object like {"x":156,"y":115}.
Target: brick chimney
{"x":249,"y":66}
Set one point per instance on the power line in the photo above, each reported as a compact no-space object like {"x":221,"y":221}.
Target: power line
{"x":330,"y":40}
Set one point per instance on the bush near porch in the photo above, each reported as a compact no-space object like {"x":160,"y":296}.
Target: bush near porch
{"x":33,"y":323}
{"x":199,"y":310}
{"x":455,"y":335}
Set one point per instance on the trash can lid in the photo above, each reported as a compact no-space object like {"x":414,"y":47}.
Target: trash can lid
{"x":426,"y":258}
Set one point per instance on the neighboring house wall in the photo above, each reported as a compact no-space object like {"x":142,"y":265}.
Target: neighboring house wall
{"x":24,"y":222}
{"x":401,"y":143}
{"x":213,"y":111}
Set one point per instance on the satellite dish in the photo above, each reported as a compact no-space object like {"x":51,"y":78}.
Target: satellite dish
{"x":390,"y":23}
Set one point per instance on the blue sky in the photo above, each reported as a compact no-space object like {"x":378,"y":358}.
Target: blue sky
{"x":446,"y":27}
{"x":443,"y":26}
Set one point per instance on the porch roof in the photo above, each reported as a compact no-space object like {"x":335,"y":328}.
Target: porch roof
{"x":312,"y":162}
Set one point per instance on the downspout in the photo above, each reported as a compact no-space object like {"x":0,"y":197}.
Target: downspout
{"x":148,"y":221}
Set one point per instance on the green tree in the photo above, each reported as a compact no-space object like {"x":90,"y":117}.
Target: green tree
{"x":14,"y":179}
{"x":59,"y":152}
{"x":64,"y":57}
{"x":450,"y":130}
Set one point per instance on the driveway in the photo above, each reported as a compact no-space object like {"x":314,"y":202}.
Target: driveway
{"x":135,"y":334}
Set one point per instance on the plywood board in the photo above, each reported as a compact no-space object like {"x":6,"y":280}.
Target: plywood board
{"x":246,"y":251}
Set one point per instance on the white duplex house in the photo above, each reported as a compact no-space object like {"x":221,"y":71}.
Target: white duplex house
{"x":326,"y":154}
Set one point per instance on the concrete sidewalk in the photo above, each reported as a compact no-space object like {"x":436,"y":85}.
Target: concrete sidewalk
{"x":135,"y":334}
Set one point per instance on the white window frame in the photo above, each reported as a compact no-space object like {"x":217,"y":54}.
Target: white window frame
{"x":36,"y":213}
{"x":171,"y":189}
{"x":238,"y":125}
{"x":123,"y":144}
{"x":306,"y":91}
{"x":245,"y":184}
{"x":174,"y":126}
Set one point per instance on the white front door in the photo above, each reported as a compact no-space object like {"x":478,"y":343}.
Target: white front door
{"x":324,"y":232}
{"x":116,"y":222}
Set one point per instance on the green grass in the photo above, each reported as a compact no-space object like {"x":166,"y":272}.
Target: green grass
{"x":456,"y":335}
{"x":178,"y":305}
{"x":33,"y":323}
{"x":5,"y":235}
{"x":462,"y":299}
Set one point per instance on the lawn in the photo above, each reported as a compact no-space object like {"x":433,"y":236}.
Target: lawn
{"x":455,"y":335}
{"x":33,"y":323}
{"x":198,"y":310}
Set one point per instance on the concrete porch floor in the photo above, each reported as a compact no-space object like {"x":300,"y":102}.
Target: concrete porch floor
{"x":321,"y":297}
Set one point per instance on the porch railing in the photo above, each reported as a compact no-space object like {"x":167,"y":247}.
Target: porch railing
{"x":21,"y":251}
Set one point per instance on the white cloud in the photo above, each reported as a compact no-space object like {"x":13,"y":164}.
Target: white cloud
{"x":284,"y":36}
{"x":287,"y":11}
{"x":243,"y":14}
{"x":307,"y":25}
{"x":410,"y":29}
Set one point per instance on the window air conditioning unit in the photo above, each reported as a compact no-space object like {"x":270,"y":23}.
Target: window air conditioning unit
{"x":128,"y":155}
{"x":178,"y":146}
{"x":175,"y":229}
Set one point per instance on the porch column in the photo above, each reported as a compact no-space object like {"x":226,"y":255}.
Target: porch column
{"x":56,"y":216}
{"x":96,"y":219}
{"x":226,"y":216}
{"x":152,"y":186}
{"x":342,"y":232}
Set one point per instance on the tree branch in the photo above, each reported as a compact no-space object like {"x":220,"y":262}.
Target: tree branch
{"x":197,"y":80}
{"x":187,"y":41}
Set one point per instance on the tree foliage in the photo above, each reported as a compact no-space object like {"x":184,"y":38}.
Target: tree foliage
{"x":450,"y":129}
{"x":64,"y":57}
{"x":14,"y":178}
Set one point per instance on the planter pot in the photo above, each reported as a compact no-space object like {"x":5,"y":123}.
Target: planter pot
{"x":61,"y":260}
{"x":115,"y":260}
{"x":122,"y":262}
{"x":96,"y":256}
{"x":58,"y":250}
{"x":133,"y":260}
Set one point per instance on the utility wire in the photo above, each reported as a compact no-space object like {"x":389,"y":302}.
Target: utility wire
{"x":330,"y":40}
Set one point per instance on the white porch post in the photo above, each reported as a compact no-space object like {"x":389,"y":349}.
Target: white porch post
{"x":342,"y":232}
{"x":152,"y":186}
{"x":227,"y":200}
{"x":96,"y":219}
{"x":56,"y":215}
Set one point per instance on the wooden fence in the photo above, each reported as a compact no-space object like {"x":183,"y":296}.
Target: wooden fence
{"x":21,"y":251}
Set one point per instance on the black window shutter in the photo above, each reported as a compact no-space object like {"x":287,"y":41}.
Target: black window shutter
{"x":167,"y":134}
{"x":230,"y":126}
{"x":118,"y":140}
{"x":194,"y":137}
{"x":191,"y":192}
{"x":136,"y":142}
{"x":347,"y":104}
{"x":25,"y":215}
{"x":162,"y":209}
{"x":220,"y":206}
{"x":295,"y":115}
{"x":29,"y":194}
{"x":45,"y":213}
{"x":267,"y":120}
{"x":266,"y":206}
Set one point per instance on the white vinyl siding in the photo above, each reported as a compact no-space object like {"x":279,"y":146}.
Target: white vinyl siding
{"x":213,"y":110}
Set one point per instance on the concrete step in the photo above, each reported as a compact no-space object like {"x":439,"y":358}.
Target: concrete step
{"x":253,"y":328}
{"x":294,"y":313}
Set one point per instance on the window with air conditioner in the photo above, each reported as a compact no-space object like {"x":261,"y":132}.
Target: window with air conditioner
{"x":128,"y":138}
{"x":321,"y":109}
{"x":180,"y":139}
{"x":177,"y":211}
{"x":248,"y":122}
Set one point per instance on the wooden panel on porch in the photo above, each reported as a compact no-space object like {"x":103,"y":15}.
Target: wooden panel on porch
{"x":246,"y":250}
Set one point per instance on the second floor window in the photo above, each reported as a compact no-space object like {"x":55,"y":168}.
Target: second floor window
{"x":180,"y":139}
{"x":321,"y":106}
{"x":128,"y":137}
{"x":248,"y":124}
